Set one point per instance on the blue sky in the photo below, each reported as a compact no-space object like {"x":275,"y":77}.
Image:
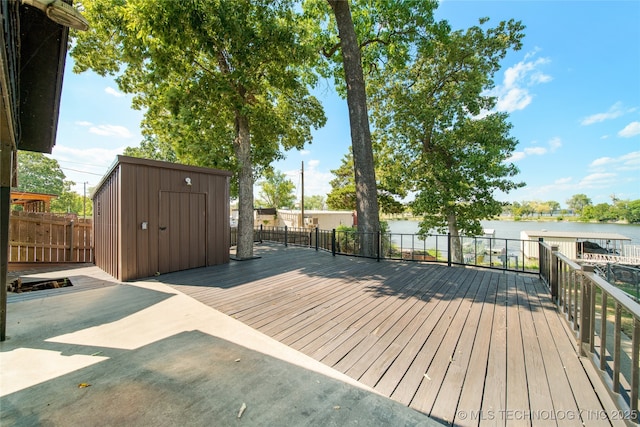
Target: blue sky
{"x":572,"y":92}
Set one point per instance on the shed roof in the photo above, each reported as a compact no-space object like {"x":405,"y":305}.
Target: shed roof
{"x":120,"y":159}
{"x":579,"y":235}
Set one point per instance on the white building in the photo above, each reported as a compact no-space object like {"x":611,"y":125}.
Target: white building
{"x":324,"y":220}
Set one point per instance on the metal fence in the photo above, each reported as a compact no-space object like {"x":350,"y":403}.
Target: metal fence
{"x":604,"y":319}
{"x":486,"y":252}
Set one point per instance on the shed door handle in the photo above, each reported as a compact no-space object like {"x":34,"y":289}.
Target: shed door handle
{"x":163,"y":228}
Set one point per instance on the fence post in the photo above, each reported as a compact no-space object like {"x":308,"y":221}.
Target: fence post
{"x":333,"y":242}
{"x":260,"y":231}
{"x":585,"y":310}
{"x":553,"y":273}
{"x":317,"y":236}
{"x":286,"y":236}
{"x":378,"y":245}
{"x":70,"y":242}
{"x":449,"y":249}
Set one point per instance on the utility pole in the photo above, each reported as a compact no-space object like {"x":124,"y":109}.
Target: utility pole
{"x":302,"y":194}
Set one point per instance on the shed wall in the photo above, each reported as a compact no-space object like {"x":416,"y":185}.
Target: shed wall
{"x":106,"y":223}
{"x":185,"y":212}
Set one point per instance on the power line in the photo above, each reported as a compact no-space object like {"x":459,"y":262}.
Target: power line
{"x":76,"y":170}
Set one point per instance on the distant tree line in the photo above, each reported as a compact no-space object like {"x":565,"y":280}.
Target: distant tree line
{"x":578,"y":205}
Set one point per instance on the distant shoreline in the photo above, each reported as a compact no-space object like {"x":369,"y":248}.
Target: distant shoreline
{"x":513,"y":219}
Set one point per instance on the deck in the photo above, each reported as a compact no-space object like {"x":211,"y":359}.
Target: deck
{"x":465,"y":346}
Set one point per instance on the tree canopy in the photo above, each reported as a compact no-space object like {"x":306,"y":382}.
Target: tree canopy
{"x":276,"y":191}
{"x":223,"y":83}
{"x":433,"y":120}
{"x":38,"y":173}
{"x":358,"y":37}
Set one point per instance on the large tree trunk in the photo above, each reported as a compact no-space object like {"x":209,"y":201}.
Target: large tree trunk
{"x":366,"y":191}
{"x":456,"y":240}
{"x":242,"y":147}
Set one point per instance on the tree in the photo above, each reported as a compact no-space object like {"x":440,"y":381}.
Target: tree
{"x":315,"y":202}
{"x":151,"y":148}
{"x":72,"y":202}
{"x":38,"y":173}
{"x":578,"y":202}
{"x":377,"y":31}
{"x":428,"y":114}
{"x":632,"y":212}
{"x":222,"y":82}
{"x":600,"y":212}
{"x":343,"y":190}
{"x":277,"y":190}
{"x":553,"y":207}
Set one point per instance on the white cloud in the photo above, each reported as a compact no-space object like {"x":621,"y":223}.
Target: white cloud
{"x":630,"y":130}
{"x":513,"y":94}
{"x":537,"y":151}
{"x":316,"y":182}
{"x":614,"y":111}
{"x":114,"y":92}
{"x":305,"y":152}
{"x":629,"y":161}
{"x":83,"y":123}
{"x":554,"y":144}
{"x":517,"y":155}
{"x":598,"y":180}
{"x":563,"y":181}
{"x":602,"y":161}
{"x":111,"y":130}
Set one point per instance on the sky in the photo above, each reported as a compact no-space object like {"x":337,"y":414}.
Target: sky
{"x":572,"y":93}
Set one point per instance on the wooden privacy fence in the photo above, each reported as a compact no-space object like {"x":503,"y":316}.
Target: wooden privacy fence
{"x":47,"y":237}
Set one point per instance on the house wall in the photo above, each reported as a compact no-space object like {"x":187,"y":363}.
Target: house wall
{"x":324,"y":220}
{"x":156,"y":223}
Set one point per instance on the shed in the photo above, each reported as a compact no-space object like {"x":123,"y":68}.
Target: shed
{"x":153,"y":217}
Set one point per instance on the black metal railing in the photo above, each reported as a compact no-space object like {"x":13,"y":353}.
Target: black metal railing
{"x":486,"y":252}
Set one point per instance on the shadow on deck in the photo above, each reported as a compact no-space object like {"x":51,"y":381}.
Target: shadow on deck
{"x":465,"y":346}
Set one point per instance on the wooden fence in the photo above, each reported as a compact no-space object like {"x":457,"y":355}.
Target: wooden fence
{"x":49,"y":238}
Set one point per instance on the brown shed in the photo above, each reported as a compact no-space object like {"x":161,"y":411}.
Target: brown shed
{"x":156,"y":217}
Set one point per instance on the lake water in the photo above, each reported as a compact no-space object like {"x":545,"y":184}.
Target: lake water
{"x":512,"y":229}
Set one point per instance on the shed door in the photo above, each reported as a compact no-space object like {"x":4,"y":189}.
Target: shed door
{"x":182,"y":231}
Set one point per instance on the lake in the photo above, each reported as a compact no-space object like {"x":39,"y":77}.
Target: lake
{"x":512,"y":229}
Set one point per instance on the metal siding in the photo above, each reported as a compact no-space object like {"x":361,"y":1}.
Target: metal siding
{"x":137,"y":190}
{"x":141,"y":214}
{"x":106,"y":231}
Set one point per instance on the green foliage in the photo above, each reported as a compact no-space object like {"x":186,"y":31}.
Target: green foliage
{"x":38,"y":173}
{"x":633,"y":211}
{"x":315,"y":202}
{"x":222,"y":83}
{"x":276,"y":191}
{"x":343,"y":190}
{"x":434,"y":146}
{"x":151,"y":148}
{"x":578,"y":202}
{"x":72,"y":202}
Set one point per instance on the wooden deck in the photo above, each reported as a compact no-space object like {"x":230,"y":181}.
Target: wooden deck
{"x":465,"y":346}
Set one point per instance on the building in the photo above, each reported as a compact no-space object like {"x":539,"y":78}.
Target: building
{"x":153,"y":217}
{"x":571,"y":244}
{"x":33,"y":52}
{"x":324,"y":220}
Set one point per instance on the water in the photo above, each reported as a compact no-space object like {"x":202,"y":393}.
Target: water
{"x":512,"y":229}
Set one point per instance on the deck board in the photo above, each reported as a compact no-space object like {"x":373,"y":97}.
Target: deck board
{"x":493,"y":348}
